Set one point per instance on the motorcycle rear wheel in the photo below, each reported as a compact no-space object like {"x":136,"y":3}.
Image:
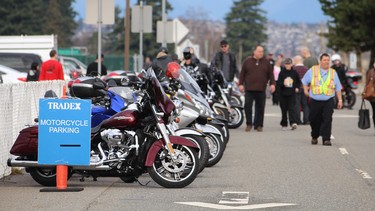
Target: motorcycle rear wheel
{"x":46,"y":176}
{"x":175,"y":175}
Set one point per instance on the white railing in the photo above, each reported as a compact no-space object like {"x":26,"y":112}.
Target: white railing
{"x":19,"y":106}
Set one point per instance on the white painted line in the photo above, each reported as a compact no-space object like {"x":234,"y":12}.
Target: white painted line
{"x":364,"y":174}
{"x":344,"y":151}
{"x":232,"y":197}
{"x":226,"y":207}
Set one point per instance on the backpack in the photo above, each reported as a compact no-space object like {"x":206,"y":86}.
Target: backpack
{"x":369,"y":90}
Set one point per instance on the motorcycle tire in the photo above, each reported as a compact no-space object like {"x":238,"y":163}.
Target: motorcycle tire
{"x":236,"y":99}
{"x":216,"y":149}
{"x":349,"y":104}
{"x":223,"y":112}
{"x":45,"y":176}
{"x":129,"y":179}
{"x":204,"y":151}
{"x":236,"y":118}
{"x":224,"y":132}
{"x":168,"y":174}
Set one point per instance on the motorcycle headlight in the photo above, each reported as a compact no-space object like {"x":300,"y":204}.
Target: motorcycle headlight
{"x":203,"y":109}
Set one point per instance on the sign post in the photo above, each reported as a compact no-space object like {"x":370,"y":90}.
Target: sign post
{"x":64,"y":137}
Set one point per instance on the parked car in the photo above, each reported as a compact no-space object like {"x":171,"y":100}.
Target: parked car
{"x":71,"y":72}
{"x":19,"y":61}
{"x":9,"y":75}
{"x":78,"y":65}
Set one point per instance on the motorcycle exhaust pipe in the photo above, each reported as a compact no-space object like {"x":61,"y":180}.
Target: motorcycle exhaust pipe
{"x":28,"y":163}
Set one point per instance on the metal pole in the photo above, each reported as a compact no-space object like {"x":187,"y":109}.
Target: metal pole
{"x":164,"y":19}
{"x":141,"y":36}
{"x":127,"y":35}
{"x":99,"y":37}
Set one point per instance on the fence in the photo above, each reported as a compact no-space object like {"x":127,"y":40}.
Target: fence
{"x":18,"y":108}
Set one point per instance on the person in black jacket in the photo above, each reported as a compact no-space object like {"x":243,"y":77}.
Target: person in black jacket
{"x":160,"y":63}
{"x":226,"y":62}
{"x":288,"y":85}
{"x":33,"y":73}
{"x":92,"y":69}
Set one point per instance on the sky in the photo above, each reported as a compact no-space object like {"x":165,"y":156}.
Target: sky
{"x":282,"y":11}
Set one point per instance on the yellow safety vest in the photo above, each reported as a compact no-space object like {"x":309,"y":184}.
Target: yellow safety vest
{"x":318,"y":86}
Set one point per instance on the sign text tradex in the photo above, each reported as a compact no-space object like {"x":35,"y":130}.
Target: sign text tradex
{"x":64,"y":106}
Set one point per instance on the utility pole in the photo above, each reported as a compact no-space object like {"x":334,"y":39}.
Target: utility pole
{"x":127,"y":35}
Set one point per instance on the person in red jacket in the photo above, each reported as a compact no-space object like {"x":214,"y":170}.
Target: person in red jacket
{"x":51,"y":69}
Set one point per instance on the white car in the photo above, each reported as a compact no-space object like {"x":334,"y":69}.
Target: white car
{"x":9,"y":75}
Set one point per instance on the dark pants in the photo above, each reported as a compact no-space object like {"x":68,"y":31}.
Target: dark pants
{"x":373,"y":111}
{"x":287,"y":105}
{"x":321,"y":118}
{"x":260,"y":101}
{"x":301,"y":101}
{"x":275,"y":97}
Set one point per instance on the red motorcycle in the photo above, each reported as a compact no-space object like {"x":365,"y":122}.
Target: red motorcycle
{"x":128,"y":144}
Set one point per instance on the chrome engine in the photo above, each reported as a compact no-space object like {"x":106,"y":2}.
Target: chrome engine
{"x":119,"y":143}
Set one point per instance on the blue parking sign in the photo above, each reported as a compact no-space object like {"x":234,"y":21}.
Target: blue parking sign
{"x":64,"y":132}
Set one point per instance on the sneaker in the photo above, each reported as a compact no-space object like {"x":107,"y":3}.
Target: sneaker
{"x":314,"y":141}
{"x":294,"y":126}
{"x":260,"y":129}
{"x":327,"y":143}
{"x":248,"y":128}
{"x":284,"y":128}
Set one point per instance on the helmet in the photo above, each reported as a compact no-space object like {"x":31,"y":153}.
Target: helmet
{"x":336,"y":57}
{"x":173,"y":70}
{"x":187,"y":53}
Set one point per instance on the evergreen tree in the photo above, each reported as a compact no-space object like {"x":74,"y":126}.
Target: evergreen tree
{"x":246,"y":26}
{"x":38,"y":17}
{"x":351,"y":27}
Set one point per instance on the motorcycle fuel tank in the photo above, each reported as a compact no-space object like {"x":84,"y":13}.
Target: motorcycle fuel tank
{"x":124,"y":119}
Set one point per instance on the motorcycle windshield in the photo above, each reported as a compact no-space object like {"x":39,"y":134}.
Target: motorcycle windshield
{"x":189,"y":84}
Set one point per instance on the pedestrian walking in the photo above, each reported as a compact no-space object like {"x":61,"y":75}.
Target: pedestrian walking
{"x":51,"y":69}
{"x":370,"y":74}
{"x":288,"y":85}
{"x":301,"y":99}
{"x":255,"y":74}
{"x":33,"y":73}
{"x":92,"y":69}
{"x":226,"y":61}
{"x":323,"y":83}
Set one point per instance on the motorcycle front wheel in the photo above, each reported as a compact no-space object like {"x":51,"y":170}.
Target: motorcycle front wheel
{"x":204,"y":151}
{"x":236,"y":118}
{"x":178,"y":172}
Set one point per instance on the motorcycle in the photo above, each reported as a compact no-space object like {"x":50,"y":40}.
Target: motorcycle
{"x":126,"y":145}
{"x":348,"y":95}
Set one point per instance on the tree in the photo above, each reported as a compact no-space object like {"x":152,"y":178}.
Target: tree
{"x":37,"y":17}
{"x":116,"y":37}
{"x":246,"y":26}
{"x":351,"y":26}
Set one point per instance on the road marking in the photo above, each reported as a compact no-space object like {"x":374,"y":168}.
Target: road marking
{"x":226,"y":207}
{"x":334,"y":115}
{"x":364,"y":174}
{"x":231,"y":197}
{"x":344,"y":151}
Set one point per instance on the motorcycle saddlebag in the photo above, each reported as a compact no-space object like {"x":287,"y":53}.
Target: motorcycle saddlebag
{"x":26,"y":142}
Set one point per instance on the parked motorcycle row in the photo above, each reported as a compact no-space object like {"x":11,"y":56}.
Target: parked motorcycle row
{"x":171,"y":130}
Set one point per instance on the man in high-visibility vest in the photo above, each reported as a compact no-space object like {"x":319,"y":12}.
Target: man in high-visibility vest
{"x":321,"y":83}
